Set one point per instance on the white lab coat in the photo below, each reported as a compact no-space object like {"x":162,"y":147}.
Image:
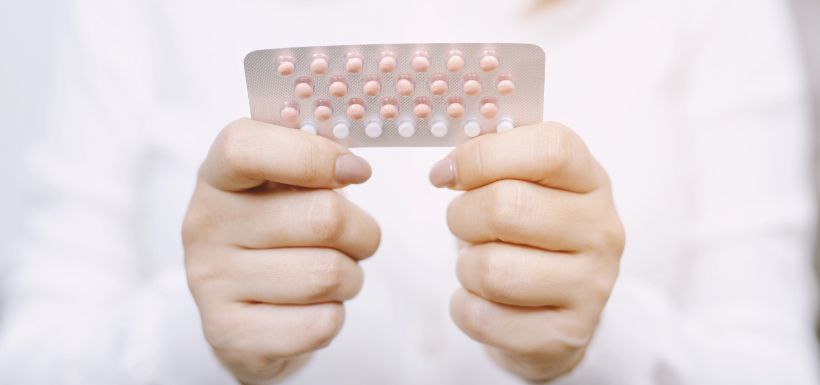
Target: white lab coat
{"x":697,"y":108}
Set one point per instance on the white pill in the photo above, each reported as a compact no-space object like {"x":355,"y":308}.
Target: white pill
{"x":373,"y":129}
{"x":341,"y":130}
{"x":406,"y":129}
{"x":308,"y":127}
{"x":504,"y":125}
{"x":439,"y":129}
{"x":472,"y":128}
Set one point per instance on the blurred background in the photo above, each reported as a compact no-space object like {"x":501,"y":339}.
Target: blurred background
{"x":28,"y":30}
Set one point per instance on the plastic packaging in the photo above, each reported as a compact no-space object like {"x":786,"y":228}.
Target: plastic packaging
{"x":398,"y":95}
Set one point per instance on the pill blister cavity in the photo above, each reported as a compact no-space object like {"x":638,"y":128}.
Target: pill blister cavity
{"x":489,"y":61}
{"x":341,"y":130}
{"x":287,"y":65}
{"x":373,"y":129}
{"x":406,"y":129}
{"x":355,"y":109}
{"x":289,"y":112}
{"x":323,"y":111}
{"x":455,"y":107}
{"x":455,"y":62}
{"x":488,"y":108}
{"x":389,"y":109}
{"x":303,"y":88}
{"x":472,"y":128}
{"x":472,"y":84}
{"x":439,"y":128}
{"x":505,"y":85}
{"x":422,"y":108}
{"x":388,"y":62}
{"x":438,"y":84}
{"x":354,"y":63}
{"x":504,"y":124}
{"x":338,"y":87}
{"x":372,"y":86}
{"x":420,"y":61}
{"x":319,"y":64}
{"x":404,"y":85}
{"x":308,"y":127}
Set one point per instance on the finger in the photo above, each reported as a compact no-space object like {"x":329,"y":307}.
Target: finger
{"x":251,"y":338}
{"x":523,"y":331}
{"x":524,"y":276}
{"x":287,"y":276}
{"x":547,"y":153}
{"x":524,"y":213}
{"x":248,"y":153}
{"x":287,"y":218}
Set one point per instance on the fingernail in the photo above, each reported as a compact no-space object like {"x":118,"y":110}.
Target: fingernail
{"x":443,"y":173}
{"x":351,"y":169}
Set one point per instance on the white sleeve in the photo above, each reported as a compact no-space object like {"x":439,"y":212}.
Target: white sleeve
{"x":78,"y":304}
{"x":744,"y":311}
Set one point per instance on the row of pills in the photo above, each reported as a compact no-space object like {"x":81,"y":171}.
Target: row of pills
{"x":407,"y":128}
{"x":420,"y":62}
{"x":389,"y":109}
{"x":405,"y":85}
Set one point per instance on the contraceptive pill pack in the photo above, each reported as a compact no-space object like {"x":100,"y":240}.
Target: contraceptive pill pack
{"x":397,"y":95}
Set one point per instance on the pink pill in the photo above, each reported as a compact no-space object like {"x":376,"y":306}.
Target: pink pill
{"x":323,"y":113}
{"x":404,"y":87}
{"x":489,"y":63}
{"x":338,"y":89}
{"x":304,"y":90}
{"x":472,"y":87}
{"x":355,"y":111}
{"x":354,"y":65}
{"x":489,"y":110}
{"x":319,"y":65}
{"x":372,"y":87}
{"x":438,"y":87}
{"x":455,"y":110}
{"x":506,"y":87}
{"x":420,"y":63}
{"x":289,"y":114}
{"x":422,"y":110}
{"x":389,"y":111}
{"x":286,"y":68}
{"x":387,"y":64}
{"x":455,"y":63}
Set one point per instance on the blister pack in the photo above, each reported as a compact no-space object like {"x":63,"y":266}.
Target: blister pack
{"x":399,"y":95}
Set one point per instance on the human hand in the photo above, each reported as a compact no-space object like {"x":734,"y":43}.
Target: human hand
{"x":542,"y":245}
{"x":271,"y":250}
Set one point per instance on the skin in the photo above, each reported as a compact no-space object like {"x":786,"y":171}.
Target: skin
{"x":272,"y":250}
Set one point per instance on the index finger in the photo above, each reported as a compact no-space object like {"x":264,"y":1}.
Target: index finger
{"x":549,"y":154}
{"x":247,"y":154}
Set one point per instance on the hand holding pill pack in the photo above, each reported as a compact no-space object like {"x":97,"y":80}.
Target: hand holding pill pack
{"x":401,"y":95}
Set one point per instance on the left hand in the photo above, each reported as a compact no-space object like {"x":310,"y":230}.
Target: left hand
{"x":542,"y":245}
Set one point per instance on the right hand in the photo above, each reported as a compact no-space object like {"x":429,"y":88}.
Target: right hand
{"x":271,"y":250}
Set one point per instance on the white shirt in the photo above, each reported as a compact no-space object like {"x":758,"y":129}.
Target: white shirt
{"x":697,"y":109}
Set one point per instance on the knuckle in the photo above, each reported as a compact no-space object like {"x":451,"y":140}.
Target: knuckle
{"x":199,"y":276}
{"x":222,"y":334}
{"x":552,"y":146}
{"x":494,"y":281}
{"x":328,"y":278}
{"x":505,"y":207}
{"x":232,"y":148}
{"x":220,"y":331}
{"x":324,"y":327}
{"x":471,"y":316}
{"x":197,"y":224}
{"x":326,"y":216}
